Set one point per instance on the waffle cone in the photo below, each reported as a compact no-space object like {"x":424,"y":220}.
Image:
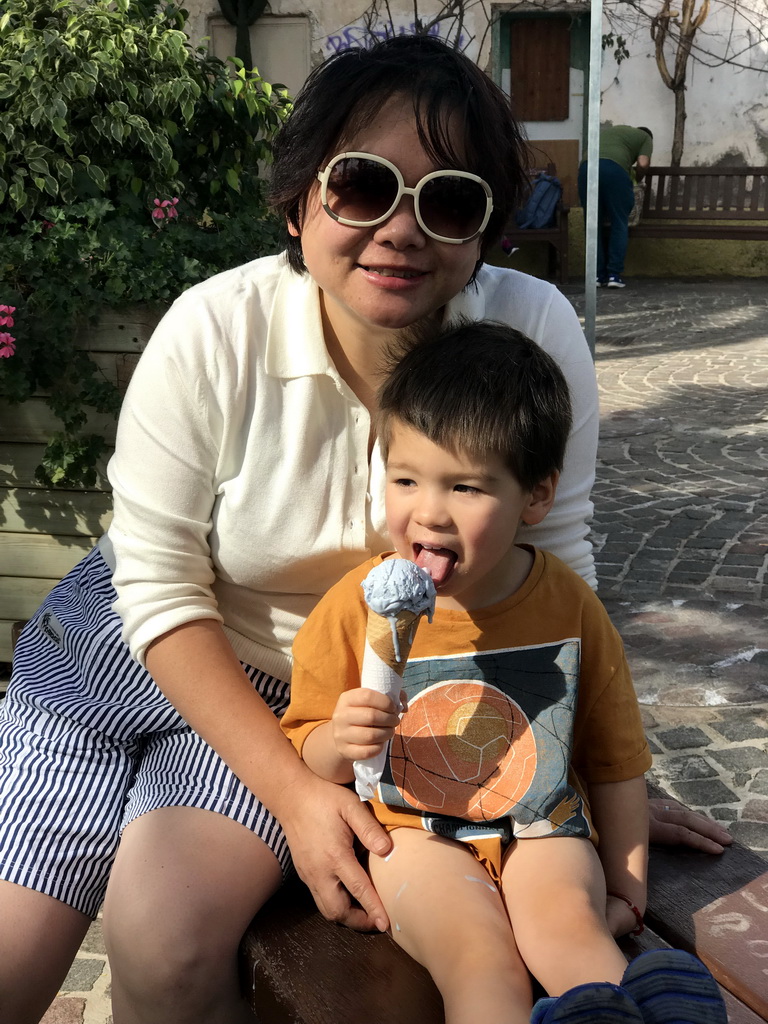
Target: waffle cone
{"x":379,"y":635}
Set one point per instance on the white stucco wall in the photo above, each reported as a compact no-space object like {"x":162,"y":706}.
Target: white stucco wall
{"x":727,"y":106}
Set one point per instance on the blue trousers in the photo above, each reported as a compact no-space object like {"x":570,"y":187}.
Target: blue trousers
{"x":615,"y":199}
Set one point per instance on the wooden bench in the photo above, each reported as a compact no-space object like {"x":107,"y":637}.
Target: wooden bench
{"x":704,"y":202}
{"x":556,"y":235}
{"x":297,"y":968}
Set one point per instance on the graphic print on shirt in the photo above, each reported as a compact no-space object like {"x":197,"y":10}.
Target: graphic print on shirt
{"x":488,"y":736}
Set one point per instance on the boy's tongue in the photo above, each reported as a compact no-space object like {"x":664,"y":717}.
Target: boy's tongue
{"x":438,"y":562}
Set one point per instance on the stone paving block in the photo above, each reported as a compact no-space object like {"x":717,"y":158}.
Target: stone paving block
{"x":759,"y":784}
{"x":94,"y":939}
{"x":745,"y":758}
{"x":755,"y":810}
{"x":724,"y":814}
{"x":683,"y":738}
{"x":705,"y":792}
{"x":82,"y":975}
{"x":753,"y":834}
{"x":65,"y":1011}
{"x":678,"y":769}
{"x":735,"y":728}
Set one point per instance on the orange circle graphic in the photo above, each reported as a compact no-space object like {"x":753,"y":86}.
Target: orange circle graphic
{"x":463,"y":749}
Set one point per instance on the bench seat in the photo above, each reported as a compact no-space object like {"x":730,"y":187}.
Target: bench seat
{"x":704,"y":202}
{"x":300,"y":969}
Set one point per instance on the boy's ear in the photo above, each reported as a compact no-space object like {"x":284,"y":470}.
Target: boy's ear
{"x":540,"y":500}
{"x":292,"y":228}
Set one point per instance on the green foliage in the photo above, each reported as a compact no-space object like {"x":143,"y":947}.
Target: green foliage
{"x":105,"y":108}
{"x":616,"y":43}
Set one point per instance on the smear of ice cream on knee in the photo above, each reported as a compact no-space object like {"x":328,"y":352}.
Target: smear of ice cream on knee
{"x":482,"y":881}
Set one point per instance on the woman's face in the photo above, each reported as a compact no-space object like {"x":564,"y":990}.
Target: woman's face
{"x":390,"y":275}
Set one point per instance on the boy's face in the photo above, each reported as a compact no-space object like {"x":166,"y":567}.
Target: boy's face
{"x":458,"y":517}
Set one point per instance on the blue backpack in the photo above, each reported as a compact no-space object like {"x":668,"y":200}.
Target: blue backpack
{"x":540,"y":210}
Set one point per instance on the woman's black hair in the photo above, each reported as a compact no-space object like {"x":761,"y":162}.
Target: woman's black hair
{"x":345,"y":93}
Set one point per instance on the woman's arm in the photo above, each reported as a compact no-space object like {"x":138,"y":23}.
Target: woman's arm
{"x":198,"y":672}
{"x":620,"y":814}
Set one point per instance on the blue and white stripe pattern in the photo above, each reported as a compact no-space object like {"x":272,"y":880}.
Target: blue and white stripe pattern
{"x":88,"y":743}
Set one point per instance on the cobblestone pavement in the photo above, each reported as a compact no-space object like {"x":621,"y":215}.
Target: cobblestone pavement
{"x":680,"y":530}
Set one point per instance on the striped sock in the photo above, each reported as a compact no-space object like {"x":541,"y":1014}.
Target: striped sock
{"x":596,"y":1003}
{"x":672,"y":987}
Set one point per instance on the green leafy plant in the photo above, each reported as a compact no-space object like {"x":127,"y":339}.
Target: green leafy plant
{"x":130,"y":168}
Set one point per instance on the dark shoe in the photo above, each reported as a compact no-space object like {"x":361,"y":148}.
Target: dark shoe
{"x":671,"y":985}
{"x":614,"y":281}
{"x":601,"y":282}
{"x":597,"y":1003}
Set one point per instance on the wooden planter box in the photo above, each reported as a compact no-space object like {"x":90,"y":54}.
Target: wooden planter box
{"x":45,"y":531}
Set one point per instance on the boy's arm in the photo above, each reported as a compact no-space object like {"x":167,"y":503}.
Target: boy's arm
{"x":620,"y":814}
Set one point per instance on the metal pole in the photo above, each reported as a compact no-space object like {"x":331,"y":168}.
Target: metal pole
{"x":593,"y":152}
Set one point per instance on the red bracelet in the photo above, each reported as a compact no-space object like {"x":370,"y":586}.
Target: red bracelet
{"x":640,"y":923}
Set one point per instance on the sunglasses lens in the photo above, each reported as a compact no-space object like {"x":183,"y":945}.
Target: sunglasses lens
{"x":360,"y":190}
{"x":452,"y":206}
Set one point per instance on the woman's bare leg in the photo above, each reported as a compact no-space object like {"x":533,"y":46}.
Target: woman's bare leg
{"x":39,"y":937}
{"x":184,"y":887}
{"x":554,"y":890}
{"x":445,"y":911}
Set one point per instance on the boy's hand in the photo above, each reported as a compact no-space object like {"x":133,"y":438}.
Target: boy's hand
{"x":363,"y":723}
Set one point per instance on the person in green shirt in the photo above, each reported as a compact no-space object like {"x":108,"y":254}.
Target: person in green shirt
{"x":623,"y":150}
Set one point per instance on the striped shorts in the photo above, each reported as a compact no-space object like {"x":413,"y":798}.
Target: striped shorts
{"x":88,"y":743}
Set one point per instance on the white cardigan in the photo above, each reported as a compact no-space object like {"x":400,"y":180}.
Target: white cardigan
{"x":241,"y":485}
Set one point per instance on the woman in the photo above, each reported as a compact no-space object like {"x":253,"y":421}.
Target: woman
{"x":245,"y":484}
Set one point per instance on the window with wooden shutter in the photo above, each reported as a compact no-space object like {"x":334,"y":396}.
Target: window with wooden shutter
{"x":539,"y":63}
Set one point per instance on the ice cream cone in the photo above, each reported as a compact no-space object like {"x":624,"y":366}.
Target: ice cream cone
{"x":391,"y":637}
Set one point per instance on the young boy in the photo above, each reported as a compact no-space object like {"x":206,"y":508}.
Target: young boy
{"x":520,"y":742}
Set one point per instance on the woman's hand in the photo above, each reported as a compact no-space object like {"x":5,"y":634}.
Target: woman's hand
{"x":321,"y":823}
{"x":671,"y":823}
{"x":363,"y":722}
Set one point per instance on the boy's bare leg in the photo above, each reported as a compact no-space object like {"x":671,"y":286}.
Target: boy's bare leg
{"x":554,"y":890}
{"x":39,"y":937}
{"x":447,"y":914}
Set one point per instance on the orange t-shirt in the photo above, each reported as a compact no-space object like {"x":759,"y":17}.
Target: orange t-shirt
{"x":513,"y":710}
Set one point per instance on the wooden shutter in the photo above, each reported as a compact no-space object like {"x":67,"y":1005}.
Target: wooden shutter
{"x":539,"y":62}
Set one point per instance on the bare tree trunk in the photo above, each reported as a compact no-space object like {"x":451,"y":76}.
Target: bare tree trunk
{"x":678,"y":135}
{"x":681,"y":29}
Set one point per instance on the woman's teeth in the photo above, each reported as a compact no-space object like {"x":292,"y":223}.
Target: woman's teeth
{"x":386,"y":272}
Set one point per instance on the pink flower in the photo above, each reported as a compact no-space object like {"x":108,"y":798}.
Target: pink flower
{"x":6,"y":320}
{"x":165,"y":208}
{"x":7,"y":345}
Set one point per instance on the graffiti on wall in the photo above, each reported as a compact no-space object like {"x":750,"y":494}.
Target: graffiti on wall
{"x":361,"y":34}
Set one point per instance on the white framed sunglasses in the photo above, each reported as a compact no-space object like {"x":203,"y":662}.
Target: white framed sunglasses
{"x":362,"y":190}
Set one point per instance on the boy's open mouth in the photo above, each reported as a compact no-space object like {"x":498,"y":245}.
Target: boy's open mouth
{"x":438,"y":562}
